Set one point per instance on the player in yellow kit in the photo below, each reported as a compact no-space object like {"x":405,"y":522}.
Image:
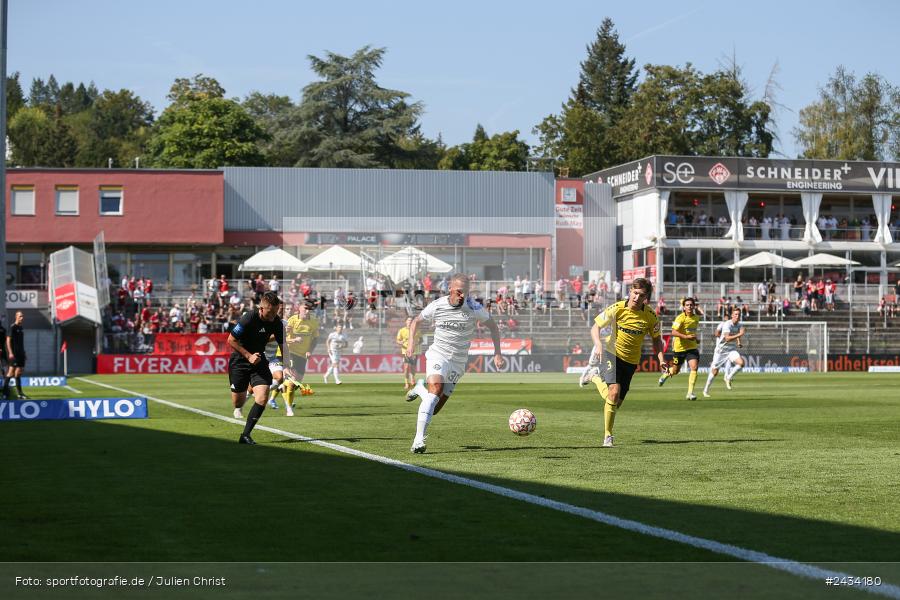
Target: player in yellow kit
{"x":409,"y":362}
{"x":618,"y":333}
{"x":301,"y":334}
{"x":684,"y":332}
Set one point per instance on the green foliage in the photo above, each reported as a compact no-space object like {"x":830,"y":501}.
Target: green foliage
{"x":852,"y":120}
{"x":202,"y":129}
{"x":118,"y":127}
{"x":500,"y":152}
{"x":682,"y":111}
{"x":39,"y":140}
{"x":579,"y":137}
{"x":346,"y":119}
{"x":15,"y":97}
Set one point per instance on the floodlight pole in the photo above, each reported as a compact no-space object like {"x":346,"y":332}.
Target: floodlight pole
{"x":3,"y":15}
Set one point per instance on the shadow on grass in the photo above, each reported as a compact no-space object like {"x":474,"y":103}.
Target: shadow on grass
{"x":734,"y":441}
{"x":93,"y":491}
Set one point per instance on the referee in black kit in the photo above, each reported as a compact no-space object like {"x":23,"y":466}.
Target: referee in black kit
{"x":248,"y":364}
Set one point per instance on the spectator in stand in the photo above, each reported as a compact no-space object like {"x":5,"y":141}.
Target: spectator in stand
{"x":602,"y":291}
{"x":786,"y":306}
{"x":203,"y":326}
{"x":616,"y":289}
{"x":577,"y":288}
{"x":358,"y":345}
{"x":866,"y":229}
{"x":518,"y":294}
{"x":527,"y":290}
{"x":148,"y":289}
{"x":275,"y":284}
{"x":259,"y":287}
{"x":763,"y":291}
{"x":661,"y":305}
{"x":720,"y":308}
{"x":799,"y":287}
{"x":428,"y":287}
{"x":223,"y":288}
{"x":772,"y":306}
{"x":745,"y":310}
{"x":560,"y":291}
{"x":122,"y":297}
{"x":371,"y":317}
{"x":175,"y":313}
{"x":132,"y":285}
{"x":812,"y":295}
{"x":752,"y":225}
{"x":764,"y":227}
{"x":512,"y":324}
{"x":722,"y":226}
{"x":829,"y":290}
{"x":576,"y":349}
{"x":771,"y":288}
{"x":882,"y":306}
{"x":372,"y":298}
{"x":305,"y":289}
{"x":138,"y":293}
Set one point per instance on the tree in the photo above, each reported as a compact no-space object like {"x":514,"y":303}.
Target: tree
{"x":118,"y":127}
{"x":852,"y":120}
{"x":278,"y":117}
{"x":202,"y":129}
{"x":38,"y":140}
{"x":347,"y":120}
{"x":15,"y":97}
{"x":500,"y":152}
{"x":681,"y":111}
{"x":580,"y":135}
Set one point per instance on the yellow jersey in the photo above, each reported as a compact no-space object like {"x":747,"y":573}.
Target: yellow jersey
{"x":626,"y":329}
{"x":306,"y":329}
{"x":688,"y":326}
{"x":403,"y":340}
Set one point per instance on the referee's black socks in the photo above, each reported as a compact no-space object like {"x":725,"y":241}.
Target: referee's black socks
{"x":256,"y":412}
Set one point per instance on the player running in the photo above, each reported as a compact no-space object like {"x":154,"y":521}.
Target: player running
{"x":684,"y":332}
{"x":409,"y":362}
{"x":455,"y":317}
{"x":302,"y":335}
{"x":335,"y":343}
{"x":248,"y":365}
{"x":618,"y":333}
{"x":726,"y":356}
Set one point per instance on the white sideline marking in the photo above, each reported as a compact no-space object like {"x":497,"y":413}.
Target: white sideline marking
{"x":781,"y":564}
{"x":73,"y":389}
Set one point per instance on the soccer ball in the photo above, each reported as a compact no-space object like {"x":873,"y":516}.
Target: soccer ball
{"x":522,"y":422}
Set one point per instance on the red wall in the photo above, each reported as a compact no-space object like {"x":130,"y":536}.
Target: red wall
{"x":159,"y":207}
{"x":569,"y":242}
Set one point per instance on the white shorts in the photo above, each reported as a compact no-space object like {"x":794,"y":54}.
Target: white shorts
{"x":450,"y":371}
{"x":720,"y":359}
{"x":334,"y":357}
{"x":276,"y":366}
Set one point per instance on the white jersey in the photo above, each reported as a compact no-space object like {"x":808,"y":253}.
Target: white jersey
{"x":336,"y":342}
{"x":727,"y":328}
{"x":454,"y":328}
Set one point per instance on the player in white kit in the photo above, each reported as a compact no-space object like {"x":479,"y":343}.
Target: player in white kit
{"x":335,"y":344}
{"x":726,"y":356}
{"x":455,"y":317}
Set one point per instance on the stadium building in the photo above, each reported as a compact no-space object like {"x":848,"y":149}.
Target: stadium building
{"x":682,"y":221}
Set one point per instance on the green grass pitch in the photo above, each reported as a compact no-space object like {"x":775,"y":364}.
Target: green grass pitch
{"x":801,"y":467}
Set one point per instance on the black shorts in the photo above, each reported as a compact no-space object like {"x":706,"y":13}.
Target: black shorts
{"x":298,"y":365}
{"x":241,"y":374}
{"x":409,"y":360}
{"x":616,"y":370}
{"x":19,"y":361}
{"x":682,"y":357}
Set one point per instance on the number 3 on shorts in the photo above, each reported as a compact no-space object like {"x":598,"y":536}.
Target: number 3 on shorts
{"x":454,"y":376}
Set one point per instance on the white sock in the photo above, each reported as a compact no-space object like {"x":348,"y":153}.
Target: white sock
{"x":595,"y":357}
{"x":327,"y":373}
{"x":336,"y":375}
{"x":734,"y":371}
{"x":709,"y":380}
{"x":426,"y":411}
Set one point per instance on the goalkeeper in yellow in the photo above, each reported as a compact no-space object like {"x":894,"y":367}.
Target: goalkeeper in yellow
{"x":684,"y":332}
{"x":618,"y":333}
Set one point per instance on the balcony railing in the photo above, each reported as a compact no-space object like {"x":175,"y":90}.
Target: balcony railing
{"x":773,"y":232}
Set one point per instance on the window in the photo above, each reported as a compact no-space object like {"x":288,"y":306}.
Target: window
{"x":110,"y":200}
{"x":22,"y":200}
{"x":66,"y":200}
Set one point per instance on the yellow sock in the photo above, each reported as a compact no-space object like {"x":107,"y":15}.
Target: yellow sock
{"x":601,"y":386}
{"x":692,"y":379}
{"x":288,"y":394}
{"x":609,"y":417}
{"x":273,"y":393}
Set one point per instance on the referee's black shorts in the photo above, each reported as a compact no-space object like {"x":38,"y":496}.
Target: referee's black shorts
{"x":616,"y":370}
{"x":242,"y":374}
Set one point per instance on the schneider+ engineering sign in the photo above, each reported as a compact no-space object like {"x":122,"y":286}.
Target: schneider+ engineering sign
{"x":704,"y":172}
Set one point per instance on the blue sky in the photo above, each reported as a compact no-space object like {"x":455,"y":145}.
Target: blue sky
{"x":503,"y":64}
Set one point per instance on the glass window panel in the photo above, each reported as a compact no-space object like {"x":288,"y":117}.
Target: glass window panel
{"x":66,"y":201}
